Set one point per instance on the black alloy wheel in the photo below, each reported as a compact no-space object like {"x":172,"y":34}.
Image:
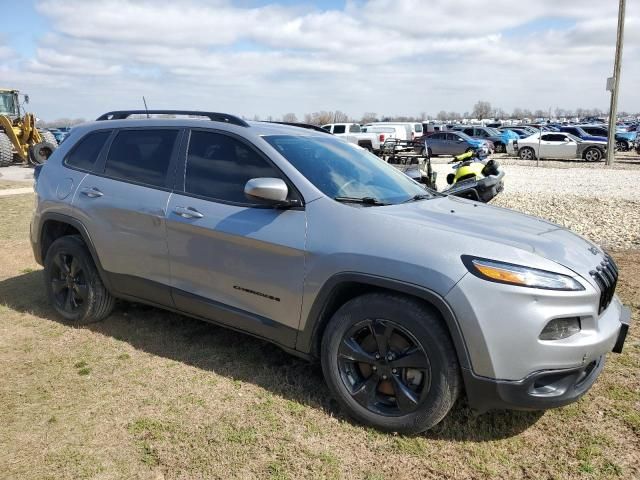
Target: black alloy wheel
{"x":384,"y":368}
{"x":68,"y":283}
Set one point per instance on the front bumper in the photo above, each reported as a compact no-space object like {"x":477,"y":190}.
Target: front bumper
{"x":543,"y":389}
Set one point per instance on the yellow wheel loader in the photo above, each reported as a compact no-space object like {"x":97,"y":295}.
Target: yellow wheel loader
{"x":20,"y":140}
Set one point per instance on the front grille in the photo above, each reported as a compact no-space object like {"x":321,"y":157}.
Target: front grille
{"x":606,"y":276}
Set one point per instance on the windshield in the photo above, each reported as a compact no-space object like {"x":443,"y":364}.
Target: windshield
{"x":493,"y":131}
{"x":463,"y":135}
{"x":341,"y":169}
{"x":7,"y":104}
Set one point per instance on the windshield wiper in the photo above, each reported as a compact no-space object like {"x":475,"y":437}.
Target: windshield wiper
{"x":363,"y":200}
{"x":420,"y":196}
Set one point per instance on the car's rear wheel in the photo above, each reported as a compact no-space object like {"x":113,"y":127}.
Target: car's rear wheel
{"x":527,"y":153}
{"x":593,"y":155}
{"x":73,"y":284}
{"x":390,"y":363}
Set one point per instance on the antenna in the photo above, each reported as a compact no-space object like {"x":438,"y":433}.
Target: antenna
{"x":145,"y":106}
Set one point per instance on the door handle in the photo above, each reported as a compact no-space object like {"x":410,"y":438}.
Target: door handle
{"x":187,"y":212}
{"x":92,"y":192}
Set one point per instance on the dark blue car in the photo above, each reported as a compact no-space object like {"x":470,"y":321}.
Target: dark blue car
{"x":580,"y":133}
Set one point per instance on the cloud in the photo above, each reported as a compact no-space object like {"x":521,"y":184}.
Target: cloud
{"x":388,"y":56}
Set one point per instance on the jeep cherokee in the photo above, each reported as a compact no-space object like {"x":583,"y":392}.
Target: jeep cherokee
{"x":406,"y":296}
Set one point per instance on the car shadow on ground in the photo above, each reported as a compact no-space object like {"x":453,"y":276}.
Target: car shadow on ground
{"x":242,"y":357}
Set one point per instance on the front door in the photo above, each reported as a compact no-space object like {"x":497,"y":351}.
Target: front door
{"x":233,"y":260}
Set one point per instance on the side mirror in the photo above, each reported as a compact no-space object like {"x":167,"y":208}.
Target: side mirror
{"x":270,"y":189}
{"x":26,"y":99}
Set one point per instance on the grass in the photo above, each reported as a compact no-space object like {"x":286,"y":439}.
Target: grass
{"x":165,"y":396}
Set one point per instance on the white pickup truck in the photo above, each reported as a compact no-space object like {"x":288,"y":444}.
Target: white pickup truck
{"x":352,"y":133}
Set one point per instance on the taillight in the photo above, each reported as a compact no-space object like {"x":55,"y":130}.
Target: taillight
{"x":382,"y":137}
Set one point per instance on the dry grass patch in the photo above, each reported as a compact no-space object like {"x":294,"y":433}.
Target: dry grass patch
{"x":153,"y":395}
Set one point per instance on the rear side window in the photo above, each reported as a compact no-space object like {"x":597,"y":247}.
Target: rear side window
{"x":219,"y":166}
{"x":141,"y":156}
{"x":339,"y":129}
{"x":85,"y":153}
{"x":354,"y":129}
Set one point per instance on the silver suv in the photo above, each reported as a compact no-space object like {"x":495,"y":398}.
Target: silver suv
{"x":407,"y":297}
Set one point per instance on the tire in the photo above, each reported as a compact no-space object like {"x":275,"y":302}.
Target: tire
{"x":527,"y":153}
{"x":40,"y":152}
{"x":73,"y":284}
{"x":500,"y":148}
{"x":366,"y":387}
{"x":592,"y":154}
{"x":48,"y":137}
{"x":6,"y":150}
{"x":622,"y":145}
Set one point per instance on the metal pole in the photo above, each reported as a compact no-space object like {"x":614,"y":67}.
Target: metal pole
{"x":613,"y":108}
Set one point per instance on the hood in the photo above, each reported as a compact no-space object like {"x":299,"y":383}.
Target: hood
{"x":476,"y":143}
{"x":478,"y":223}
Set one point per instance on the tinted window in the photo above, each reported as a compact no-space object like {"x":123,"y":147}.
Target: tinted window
{"x":468,"y":131}
{"x":554,"y":137}
{"x":141,"y":156}
{"x":338,"y":129}
{"x":327,"y":127}
{"x":452,"y":137}
{"x":85,"y":153}
{"x":354,"y":129}
{"x":219,"y":166}
{"x":438,"y":136}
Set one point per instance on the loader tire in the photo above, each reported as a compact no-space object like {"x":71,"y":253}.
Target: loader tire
{"x":40,"y":152}
{"x":6,"y":150}
{"x":48,"y":137}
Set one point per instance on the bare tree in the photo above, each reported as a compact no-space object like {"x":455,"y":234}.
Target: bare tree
{"x":369,"y":117}
{"x":442,"y":116}
{"x":289,"y":117}
{"x":340,"y":117}
{"x":482,"y":109}
{"x":454,"y":116}
{"x":540,"y":113}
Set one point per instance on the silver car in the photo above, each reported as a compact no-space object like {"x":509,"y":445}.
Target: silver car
{"x":407,"y":297}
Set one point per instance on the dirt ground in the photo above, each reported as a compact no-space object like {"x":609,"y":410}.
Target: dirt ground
{"x":153,"y":395}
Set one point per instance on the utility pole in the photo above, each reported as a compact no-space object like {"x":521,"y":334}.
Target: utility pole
{"x":613,"y":109}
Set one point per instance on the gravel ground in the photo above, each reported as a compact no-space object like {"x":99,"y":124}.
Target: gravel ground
{"x":600,"y":203}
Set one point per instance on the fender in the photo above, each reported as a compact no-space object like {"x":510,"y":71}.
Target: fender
{"x":84,"y":233}
{"x":309,"y":339}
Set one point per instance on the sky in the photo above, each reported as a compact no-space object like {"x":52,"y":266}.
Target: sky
{"x":81,"y":58}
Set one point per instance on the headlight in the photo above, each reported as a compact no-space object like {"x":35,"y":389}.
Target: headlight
{"x":518,"y":275}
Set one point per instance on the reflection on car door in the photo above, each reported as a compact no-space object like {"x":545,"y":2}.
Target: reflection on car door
{"x":234,"y":261}
{"x":122,"y":204}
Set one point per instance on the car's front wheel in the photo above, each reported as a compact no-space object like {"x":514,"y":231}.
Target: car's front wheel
{"x":622,"y":145}
{"x":73,"y":284}
{"x":527,"y":153}
{"x":389,"y":361}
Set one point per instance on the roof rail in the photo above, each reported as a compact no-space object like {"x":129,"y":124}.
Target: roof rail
{"x":302,"y":125}
{"x":213,"y":116}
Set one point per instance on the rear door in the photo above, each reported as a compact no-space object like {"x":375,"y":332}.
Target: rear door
{"x":122,"y":202}
{"x":234,"y":260}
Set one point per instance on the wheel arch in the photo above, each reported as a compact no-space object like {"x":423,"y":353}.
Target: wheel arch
{"x":56,"y":225}
{"x":343,"y":287}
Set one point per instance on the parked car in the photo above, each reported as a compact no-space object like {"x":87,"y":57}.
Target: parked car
{"x":624,"y":140}
{"x":353,"y":133}
{"x":518,"y":131}
{"x":402,"y":130}
{"x":558,"y":145}
{"x":453,"y":142}
{"x":289,"y":234}
{"x":385,"y":133}
{"x":499,"y":138}
{"x":580,"y":133}
{"x":414,"y":129}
